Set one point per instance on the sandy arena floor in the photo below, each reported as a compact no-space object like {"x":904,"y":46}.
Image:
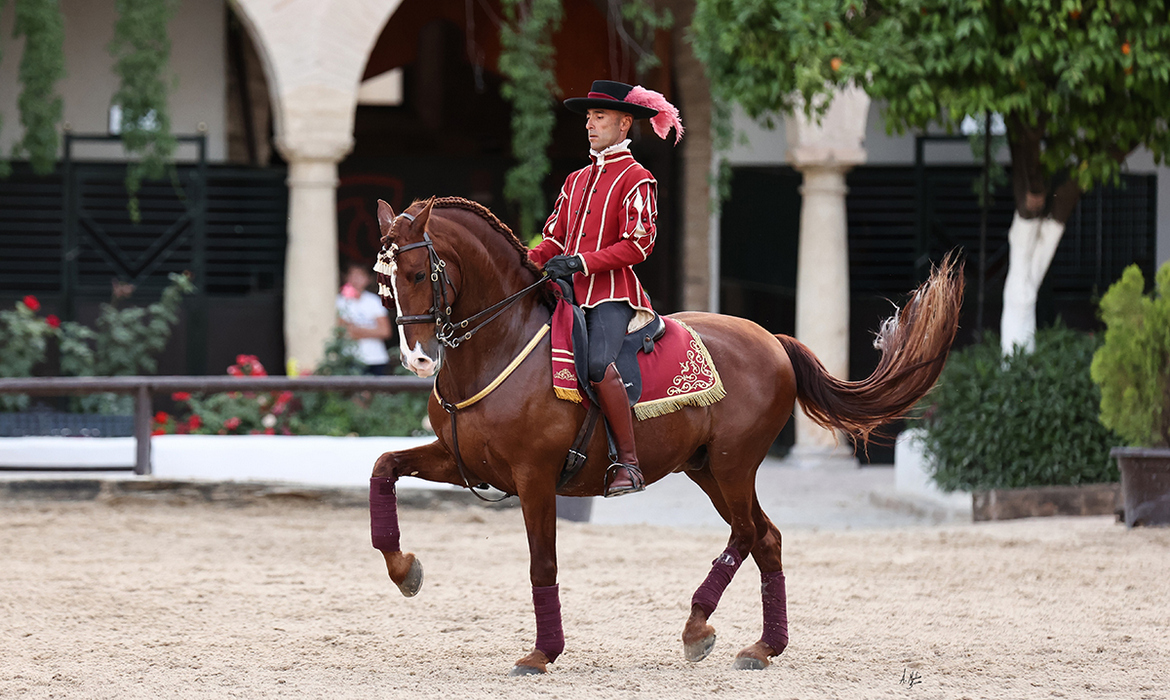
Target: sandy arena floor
{"x":101,"y":600}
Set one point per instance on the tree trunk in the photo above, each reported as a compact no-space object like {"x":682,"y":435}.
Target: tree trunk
{"x":1032,"y":244}
{"x":698,"y":226}
{"x":1037,"y":227}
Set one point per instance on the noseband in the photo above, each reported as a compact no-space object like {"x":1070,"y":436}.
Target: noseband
{"x":450,"y":333}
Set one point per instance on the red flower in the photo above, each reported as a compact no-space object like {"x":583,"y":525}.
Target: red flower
{"x":181,"y":396}
{"x":194,"y":423}
{"x":232,"y":423}
{"x":53,"y":321}
{"x":270,"y":431}
{"x":161,"y":417}
{"x":235,"y":371}
{"x":31,"y":302}
{"x":158,"y":431}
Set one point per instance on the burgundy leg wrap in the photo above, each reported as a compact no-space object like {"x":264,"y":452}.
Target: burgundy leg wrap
{"x":550,"y":636}
{"x":722,"y":570}
{"x":384,"y":514}
{"x":775,"y":610}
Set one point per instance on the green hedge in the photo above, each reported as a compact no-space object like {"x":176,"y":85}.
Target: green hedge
{"x":1024,"y":420}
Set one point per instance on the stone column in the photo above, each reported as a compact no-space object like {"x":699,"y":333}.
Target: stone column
{"x":823,"y":153}
{"x":314,"y":53}
{"x":311,"y":265}
{"x":317,"y":128}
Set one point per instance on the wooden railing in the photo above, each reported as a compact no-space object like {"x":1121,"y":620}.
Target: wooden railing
{"x":144,"y":388}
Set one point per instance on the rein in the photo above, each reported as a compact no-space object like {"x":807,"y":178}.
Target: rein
{"x":452,"y":335}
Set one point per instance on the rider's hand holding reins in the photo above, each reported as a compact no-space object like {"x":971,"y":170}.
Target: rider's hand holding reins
{"x":561,"y":266}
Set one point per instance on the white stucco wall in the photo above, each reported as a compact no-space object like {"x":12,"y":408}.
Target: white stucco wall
{"x":198,"y":63}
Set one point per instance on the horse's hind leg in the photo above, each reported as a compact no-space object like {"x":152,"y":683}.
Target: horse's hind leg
{"x":775,"y":635}
{"x":699,"y":636}
{"x":734,"y":502}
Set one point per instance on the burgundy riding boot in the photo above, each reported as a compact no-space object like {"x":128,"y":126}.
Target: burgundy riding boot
{"x":615,"y":404}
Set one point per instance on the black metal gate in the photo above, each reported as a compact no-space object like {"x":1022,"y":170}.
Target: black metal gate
{"x":64,"y":236}
{"x":101,"y":242}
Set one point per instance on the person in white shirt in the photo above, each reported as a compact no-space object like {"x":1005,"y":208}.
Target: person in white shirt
{"x":365,"y":320}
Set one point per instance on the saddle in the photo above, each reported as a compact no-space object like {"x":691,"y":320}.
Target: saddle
{"x":640,"y":340}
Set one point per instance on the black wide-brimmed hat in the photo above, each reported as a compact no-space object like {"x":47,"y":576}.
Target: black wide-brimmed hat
{"x":609,"y":94}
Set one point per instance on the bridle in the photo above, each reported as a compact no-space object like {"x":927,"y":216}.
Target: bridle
{"x":450,"y":333}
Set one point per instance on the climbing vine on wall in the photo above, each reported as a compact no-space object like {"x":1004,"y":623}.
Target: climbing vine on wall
{"x":644,"y":23}
{"x":41,"y":66}
{"x":4,"y":167}
{"x":141,"y":49}
{"x":527,"y":59}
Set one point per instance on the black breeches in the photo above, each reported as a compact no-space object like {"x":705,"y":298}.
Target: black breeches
{"x":606,"y":323}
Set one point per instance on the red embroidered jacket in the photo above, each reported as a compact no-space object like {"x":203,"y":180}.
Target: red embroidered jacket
{"x":606,"y":213}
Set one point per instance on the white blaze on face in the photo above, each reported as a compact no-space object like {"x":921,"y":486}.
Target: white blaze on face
{"x":415,"y":360}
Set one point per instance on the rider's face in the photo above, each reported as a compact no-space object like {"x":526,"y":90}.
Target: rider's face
{"x":606,"y":127}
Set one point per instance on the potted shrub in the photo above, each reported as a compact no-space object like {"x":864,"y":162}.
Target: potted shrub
{"x":1132,"y":368}
{"x":1021,"y":432}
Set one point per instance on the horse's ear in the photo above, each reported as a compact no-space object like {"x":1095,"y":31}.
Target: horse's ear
{"x":385,"y":219}
{"x":420,"y":221}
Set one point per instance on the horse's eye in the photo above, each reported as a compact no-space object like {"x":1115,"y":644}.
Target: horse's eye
{"x":418,"y":276}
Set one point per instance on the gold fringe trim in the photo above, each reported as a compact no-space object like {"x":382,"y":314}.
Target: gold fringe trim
{"x":567,"y":394}
{"x":661,"y":407}
{"x":707,"y":397}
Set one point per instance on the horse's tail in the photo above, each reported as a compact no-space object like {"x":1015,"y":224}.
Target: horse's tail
{"x":914,"y":345}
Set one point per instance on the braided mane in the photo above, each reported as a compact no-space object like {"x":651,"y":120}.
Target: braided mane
{"x":490,"y":218}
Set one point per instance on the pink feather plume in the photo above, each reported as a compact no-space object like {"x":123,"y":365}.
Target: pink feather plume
{"x":667,"y":116}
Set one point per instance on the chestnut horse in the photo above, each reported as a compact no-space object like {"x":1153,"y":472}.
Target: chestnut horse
{"x":449,"y":263}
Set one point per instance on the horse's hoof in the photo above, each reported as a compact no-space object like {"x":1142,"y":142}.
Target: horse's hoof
{"x":749,"y":663}
{"x":413,"y":582}
{"x":697,"y":651}
{"x":534,"y":664}
{"x":519,"y":670}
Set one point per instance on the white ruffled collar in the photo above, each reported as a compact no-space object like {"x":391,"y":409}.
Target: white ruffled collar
{"x":613,"y":150}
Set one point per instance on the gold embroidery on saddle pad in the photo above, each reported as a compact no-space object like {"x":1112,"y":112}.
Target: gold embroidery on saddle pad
{"x":696,"y":384}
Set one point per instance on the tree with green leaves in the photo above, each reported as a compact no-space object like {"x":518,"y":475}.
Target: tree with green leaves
{"x":1081,"y":85}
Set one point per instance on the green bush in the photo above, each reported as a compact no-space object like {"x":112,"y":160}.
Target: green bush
{"x":123,"y":341}
{"x":23,"y":340}
{"x":1133,"y":366}
{"x":1023,"y":420}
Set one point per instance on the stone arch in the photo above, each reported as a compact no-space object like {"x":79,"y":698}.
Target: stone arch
{"x":314,"y":53}
{"x":240,"y":8}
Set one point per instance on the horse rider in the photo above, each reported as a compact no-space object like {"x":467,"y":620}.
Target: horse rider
{"x":602,"y":224}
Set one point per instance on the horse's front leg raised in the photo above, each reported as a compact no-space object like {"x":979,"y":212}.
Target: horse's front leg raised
{"x":540,"y":521}
{"x":430,"y":462}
